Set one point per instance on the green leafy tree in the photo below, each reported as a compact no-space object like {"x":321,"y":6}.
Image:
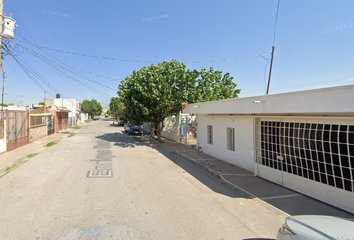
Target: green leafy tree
{"x":155,"y":92}
{"x":213,"y":86}
{"x":41,"y":103}
{"x":92,"y":107}
{"x":116,"y":107}
{"x":158,"y":91}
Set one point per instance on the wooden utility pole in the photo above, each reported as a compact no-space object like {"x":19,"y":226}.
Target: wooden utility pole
{"x":1,"y":19}
{"x":45,"y":93}
{"x":270,"y":70}
{"x":3,"y":83}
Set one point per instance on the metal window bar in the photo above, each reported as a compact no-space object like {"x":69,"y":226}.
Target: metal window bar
{"x":320,"y":150}
{"x":210,"y":134}
{"x":230,"y":134}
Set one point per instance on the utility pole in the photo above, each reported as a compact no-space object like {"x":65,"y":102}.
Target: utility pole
{"x":2,"y":98}
{"x":44,"y":99}
{"x":270,"y":70}
{"x":1,"y":19}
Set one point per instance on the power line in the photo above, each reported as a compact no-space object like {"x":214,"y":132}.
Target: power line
{"x":35,"y":23}
{"x":22,"y":96}
{"x":276,"y":22}
{"x":140,"y":61}
{"x":37,"y":27}
{"x":34,"y":75}
{"x":62,"y":63}
{"x":52,"y":30}
{"x":18,"y":20}
{"x":21,"y":78}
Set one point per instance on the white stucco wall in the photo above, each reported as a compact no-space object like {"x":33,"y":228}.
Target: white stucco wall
{"x":243,"y":155}
{"x":4,"y":140}
{"x":72,"y":104}
{"x":325,"y":101}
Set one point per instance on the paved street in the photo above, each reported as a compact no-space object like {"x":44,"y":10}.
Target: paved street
{"x":103,"y":184}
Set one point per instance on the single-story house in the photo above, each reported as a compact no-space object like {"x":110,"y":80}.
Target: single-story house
{"x":302,"y":140}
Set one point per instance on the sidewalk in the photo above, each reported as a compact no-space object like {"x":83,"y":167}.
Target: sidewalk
{"x":262,"y":191}
{"x":8,"y":159}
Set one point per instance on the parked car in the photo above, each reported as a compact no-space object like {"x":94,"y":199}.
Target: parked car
{"x":121,"y":121}
{"x":133,"y":129}
{"x":96,"y":117}
{"x":316,"y":227}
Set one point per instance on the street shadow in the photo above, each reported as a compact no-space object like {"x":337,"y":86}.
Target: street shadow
{"x":123,"y":140}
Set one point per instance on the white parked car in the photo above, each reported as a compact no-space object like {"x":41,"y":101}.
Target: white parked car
{"x":316,"y":227}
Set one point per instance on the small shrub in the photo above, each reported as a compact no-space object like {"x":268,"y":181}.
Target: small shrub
{"x":152,"y":131}
{"x":50,"y":144}
{"x":32,"y":155}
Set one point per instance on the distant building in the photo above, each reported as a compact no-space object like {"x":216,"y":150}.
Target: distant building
{"x":73,"y":104}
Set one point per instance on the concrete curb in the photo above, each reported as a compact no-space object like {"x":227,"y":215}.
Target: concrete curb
{"x":40,"y":148}
{"x":239,"y":189}
{"x":216,"y":174}
{"x":201,"y":166}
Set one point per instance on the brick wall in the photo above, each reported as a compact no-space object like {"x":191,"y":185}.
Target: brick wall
{"x":36,"y":132}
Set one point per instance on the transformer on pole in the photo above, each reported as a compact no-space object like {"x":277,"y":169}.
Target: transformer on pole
{"x":8,"y":27}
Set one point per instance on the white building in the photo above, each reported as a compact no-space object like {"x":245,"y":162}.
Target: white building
{"x":73,"y":104}
{"x":301,"y":140}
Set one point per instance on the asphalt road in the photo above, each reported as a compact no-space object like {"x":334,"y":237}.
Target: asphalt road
{"x":103,"y":184}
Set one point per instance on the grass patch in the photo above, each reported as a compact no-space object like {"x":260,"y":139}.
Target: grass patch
{"x":13,"y":167}
{"x":65,"y":132}
{"x":88,"y":120}
{"x":50,"y":144}
{"x":75,"y":127}
{"x":32,"y":155}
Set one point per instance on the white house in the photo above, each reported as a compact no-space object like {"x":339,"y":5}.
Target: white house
{"x":72,"y":104}
{"x":302,"y":140}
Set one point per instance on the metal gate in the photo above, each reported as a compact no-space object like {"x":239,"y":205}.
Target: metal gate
{"x":50,"y":125}
{"x":17,"y":129}
{"x":60,"y":121}
{"x":188,"y":130}
{"x":311,"y":156}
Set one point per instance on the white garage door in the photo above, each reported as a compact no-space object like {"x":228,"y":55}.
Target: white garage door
{"x":312,"y":156}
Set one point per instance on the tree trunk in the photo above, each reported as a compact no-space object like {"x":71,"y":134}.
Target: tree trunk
{"x":159,"y":129}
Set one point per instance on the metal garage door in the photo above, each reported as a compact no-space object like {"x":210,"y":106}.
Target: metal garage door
{"x":312,"y":156}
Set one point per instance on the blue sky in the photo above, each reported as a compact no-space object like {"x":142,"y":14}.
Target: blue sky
{"x":314,"y":43}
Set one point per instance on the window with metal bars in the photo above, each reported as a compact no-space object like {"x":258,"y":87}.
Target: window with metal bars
{"x":230,"y":134}
{"x":210,"y":134}
{"x":318,"y":151}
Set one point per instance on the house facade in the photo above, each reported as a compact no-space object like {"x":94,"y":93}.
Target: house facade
{"x":73,"y":104}
{"x":301,"y":140}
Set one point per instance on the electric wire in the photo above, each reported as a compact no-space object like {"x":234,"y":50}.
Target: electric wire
{"x":36,"y":26}
{"x":34,"y":77}
{"x":52,"y":30}
{"x":35,"y":73}
{"x":140,"y":61}
{"x":62,"y":63}
{"x":48,"y":61}
{"x":276,"y":22}
{"x":22,"y":96}
{"x":21,"y":77}
{"x":19,"y":20}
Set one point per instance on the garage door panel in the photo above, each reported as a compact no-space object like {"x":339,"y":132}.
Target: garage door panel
{"x":328,"y":194}
{"x":299,"y":153}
